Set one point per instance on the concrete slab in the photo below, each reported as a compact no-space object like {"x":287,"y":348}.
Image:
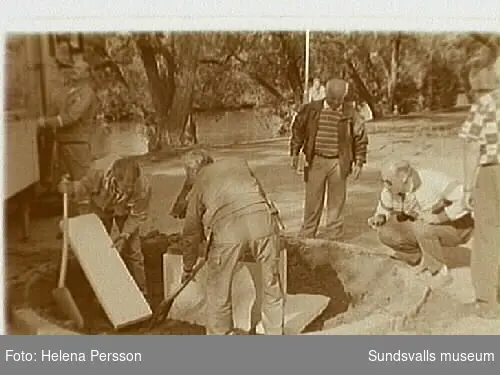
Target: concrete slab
{"x":116,"y":290}
{"x":190,"y":305}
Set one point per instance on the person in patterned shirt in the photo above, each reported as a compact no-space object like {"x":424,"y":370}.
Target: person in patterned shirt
{"x":481,"y":135}
{"x":121,"y":194}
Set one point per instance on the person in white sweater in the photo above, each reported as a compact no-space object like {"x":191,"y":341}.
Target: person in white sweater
{"x":419,"y":212}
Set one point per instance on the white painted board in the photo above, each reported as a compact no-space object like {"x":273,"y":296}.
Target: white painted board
{"x":113,"y":285}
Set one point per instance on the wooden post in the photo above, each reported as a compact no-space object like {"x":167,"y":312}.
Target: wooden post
{"x":33,"y":111}
{"x":44,"y":53}
{"x":33,"y":62}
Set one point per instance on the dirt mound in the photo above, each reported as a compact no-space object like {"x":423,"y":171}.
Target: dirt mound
{"x":303,"y":277}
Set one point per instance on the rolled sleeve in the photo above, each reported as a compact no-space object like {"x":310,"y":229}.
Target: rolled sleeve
{"x":82,"y":189}
{"x":456,"y":209}
{"x":384,"y":205}
{"x":472,"y":128}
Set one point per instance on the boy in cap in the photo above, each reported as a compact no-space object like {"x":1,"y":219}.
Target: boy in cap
{"x":334,"y":142}
{"x":121,"y":194}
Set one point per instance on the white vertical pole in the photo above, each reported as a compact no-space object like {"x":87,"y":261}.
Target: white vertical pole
{"x":302,"y":161}
{"x":306,"y":69}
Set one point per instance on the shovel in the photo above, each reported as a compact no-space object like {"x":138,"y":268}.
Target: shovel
{"x":62,"y":295}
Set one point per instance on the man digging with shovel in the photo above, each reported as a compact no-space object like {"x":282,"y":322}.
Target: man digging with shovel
{"x":228,"y":205}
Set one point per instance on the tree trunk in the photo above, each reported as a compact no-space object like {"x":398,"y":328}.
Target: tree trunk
{"x":393,"y":76}
{"x":363,"y":90}
{"x":188,"y":60}
{"x":161,"y":91}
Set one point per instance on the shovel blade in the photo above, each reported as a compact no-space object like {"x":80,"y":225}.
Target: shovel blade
{"x":68,"y":306}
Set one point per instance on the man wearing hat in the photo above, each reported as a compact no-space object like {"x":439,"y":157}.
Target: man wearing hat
{"x":480,"y":133}
{"x":74,"y":123}
{"x":419,"y":212}
{"x":334,"y":142}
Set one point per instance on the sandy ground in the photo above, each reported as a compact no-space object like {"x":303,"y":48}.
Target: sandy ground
{"x":426,"y":141}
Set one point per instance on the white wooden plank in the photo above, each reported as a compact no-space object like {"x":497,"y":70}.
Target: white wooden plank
{"x":116,"y":290}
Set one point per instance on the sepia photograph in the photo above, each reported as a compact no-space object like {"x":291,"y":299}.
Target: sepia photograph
{"x":252,"y":183}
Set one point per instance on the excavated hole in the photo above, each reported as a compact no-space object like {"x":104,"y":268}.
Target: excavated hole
{"x":301,"y":279}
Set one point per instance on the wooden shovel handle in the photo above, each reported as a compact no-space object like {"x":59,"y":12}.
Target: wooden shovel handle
{"x":64,"y":258}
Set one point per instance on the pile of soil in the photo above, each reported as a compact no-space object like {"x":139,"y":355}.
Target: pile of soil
{"x":302,"y":278}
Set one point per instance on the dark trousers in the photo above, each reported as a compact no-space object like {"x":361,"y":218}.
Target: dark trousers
{"x":324,"y":178}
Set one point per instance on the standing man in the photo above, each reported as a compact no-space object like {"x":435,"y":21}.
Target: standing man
{"x":419,"y":212}
{"x":481,"y":135}
{"x":335,"y":144}
{"x":74,"y":123}
{"x":227,"y":205}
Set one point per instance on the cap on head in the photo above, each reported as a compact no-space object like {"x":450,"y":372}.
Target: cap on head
{"x":126,"y":169}
{"x":395,"y":168}
{"x":126,"y":172}
{"x":194,"y":160}
{"x":336,"y":89}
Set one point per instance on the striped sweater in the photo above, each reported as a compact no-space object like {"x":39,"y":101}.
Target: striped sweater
{"x":327,"y":143}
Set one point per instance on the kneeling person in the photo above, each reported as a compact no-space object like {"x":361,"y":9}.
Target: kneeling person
{"x":122,"y":195}
{"x":227,"y":205}
{"x":419,"y":212}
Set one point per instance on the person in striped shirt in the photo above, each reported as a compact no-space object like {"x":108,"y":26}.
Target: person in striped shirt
{"x":419,"y":212}
{"x":334,"y":142}
{"x":120,"y":194}
{"x":481,"y":135}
